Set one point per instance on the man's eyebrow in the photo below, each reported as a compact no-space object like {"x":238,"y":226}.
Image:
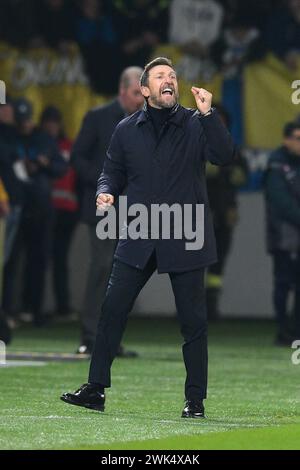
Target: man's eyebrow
{"x":164,"y":73}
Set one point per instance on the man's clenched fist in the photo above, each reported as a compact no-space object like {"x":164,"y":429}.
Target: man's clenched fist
{"x":104,"y":201}
{"x":203,"y":99}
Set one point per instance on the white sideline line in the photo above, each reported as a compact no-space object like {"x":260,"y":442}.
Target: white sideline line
{"x":22,"y":364}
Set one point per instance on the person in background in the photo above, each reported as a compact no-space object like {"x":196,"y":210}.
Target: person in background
{"x":282,"y":33}
{"x":4,"y":211}
{"x":194,"y":26}
{"x":54,"y":24}
{"x":222,"y":187}
{"x":142,"y":25}
{"x":256,"y":11}
{"x":6,"y":140}
{"x":282,"y":192}
{"x":18,"y":22}
{"x":87,"y":158}
{"x":14,"y":186}
{"x":42,"y":163}
{"x":238,"y":44}
{"x":5,"y":332}
{"x":97,"y":36}
{"x":66,"y":206}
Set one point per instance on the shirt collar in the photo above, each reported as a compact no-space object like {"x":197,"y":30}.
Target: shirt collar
{"x":176,"y":115}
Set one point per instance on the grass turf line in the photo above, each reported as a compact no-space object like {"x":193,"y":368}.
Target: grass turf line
{"x":253,"y":393}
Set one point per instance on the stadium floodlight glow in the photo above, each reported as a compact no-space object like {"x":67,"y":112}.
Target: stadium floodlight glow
{"x":2,"y":92}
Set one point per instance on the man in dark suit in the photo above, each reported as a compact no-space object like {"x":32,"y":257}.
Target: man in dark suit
{"x":87,"y":158}
{"x":282,"y":193}
{"x":160,"y":154}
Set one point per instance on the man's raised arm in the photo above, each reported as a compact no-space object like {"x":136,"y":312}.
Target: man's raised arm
{"x":113,"y":178}
{"x":219,"y":146}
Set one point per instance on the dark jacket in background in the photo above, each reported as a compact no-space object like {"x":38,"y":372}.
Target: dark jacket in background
{"x":170,"y":170}
{"x":223,"y":184}
{"x":38,"y":189}
{"x":282,"y":33}
{"x":89,"y":151}
{"x":8,"y":156}
{"x":282,"y":191}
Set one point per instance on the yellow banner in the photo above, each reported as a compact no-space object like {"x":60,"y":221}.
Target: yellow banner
{"x":47,"y":78}
{"x":268,"y":104}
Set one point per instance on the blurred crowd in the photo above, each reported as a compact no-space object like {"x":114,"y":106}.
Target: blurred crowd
{"x":39,"y":204}
{"x":220,"y":35}
{"x":41,"y":191}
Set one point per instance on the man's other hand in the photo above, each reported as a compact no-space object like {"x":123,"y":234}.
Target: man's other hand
{"x":104,"y":201}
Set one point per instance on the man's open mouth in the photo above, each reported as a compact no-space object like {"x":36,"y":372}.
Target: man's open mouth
{"x":167,"y":91}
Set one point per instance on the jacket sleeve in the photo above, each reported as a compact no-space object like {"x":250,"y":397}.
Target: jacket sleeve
{"x":113,"y":178}
{"x":86,"y":168}
{"x":277,"y":193}
{"x":58,"y":166}
{"x":219,"y":148}
{"x":48,"y":146}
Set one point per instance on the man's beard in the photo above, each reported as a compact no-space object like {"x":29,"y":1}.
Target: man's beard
{"x":158,"y":102}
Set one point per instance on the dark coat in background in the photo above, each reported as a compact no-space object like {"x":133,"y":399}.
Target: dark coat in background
{"x":89,"y":152}
{"x":38,"y":190}
{"x":168,"y":170}
{"x":282,"y":190}
{"x":8,"y":156}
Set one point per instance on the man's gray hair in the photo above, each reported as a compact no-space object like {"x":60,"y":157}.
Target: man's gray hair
{"x":129,"y":75}
{"x":150,"y":65}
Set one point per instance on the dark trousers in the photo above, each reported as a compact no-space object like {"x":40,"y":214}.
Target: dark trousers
{"x":100,"y":265}
{"x":36,"y":231}
{"x":125,"y":284}
{"x":223,"y":235}
{"x":286,"y":271}
{"x":65,"y":223}
{"x":33,"y":240}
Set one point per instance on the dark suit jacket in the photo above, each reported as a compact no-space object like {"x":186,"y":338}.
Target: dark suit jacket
{"x":168,"y":170}
{"x":89,"y":152}
{"x":282,"y":191}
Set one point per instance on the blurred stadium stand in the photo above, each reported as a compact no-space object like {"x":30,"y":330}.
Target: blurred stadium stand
{"x":69,"y":54}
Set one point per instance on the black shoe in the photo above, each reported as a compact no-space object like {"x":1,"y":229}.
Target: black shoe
{"x":193,"y":409}
{"x":88,"y":395}
{"x":125,"y":353}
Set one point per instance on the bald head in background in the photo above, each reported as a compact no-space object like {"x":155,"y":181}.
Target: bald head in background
{"x":130,"y":95}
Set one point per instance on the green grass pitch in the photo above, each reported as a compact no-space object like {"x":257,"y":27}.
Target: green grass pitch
{"x":253,"y":398}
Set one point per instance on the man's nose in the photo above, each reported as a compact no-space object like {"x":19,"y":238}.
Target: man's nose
{"x":169,"y":83}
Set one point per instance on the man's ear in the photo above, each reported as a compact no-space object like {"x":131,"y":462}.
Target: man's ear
{"x":145,"y":91}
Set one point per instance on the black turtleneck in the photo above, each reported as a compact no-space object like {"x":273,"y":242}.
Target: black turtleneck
{"x":158,"y":117}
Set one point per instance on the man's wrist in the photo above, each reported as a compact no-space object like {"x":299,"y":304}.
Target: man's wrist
{"x":208,"y":113}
